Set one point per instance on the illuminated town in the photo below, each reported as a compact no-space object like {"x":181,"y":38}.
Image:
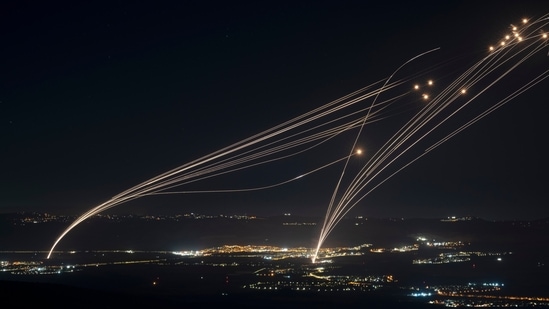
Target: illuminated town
{"x":349,"y":270}
{"x":309,"y":154}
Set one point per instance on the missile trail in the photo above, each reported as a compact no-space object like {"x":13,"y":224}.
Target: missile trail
{"x":433,"y":113}
{"x":446,"y":105}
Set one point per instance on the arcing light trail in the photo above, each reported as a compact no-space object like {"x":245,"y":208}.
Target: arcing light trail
{"x":273,"y":144}
{"x":490,"y":70}
{"x":329,"y":211}
{"x":358,"y":152}
{"x":333,"y":121}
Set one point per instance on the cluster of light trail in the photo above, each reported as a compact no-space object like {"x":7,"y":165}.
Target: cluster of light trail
{"x":349,"y":115}
{"x":292,"y":138}
{"x":390,"y":159}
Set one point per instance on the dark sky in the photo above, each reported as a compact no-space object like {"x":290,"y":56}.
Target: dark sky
{"x":98,"y":97}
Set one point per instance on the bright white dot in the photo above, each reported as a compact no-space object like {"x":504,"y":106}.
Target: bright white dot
{"x":426,"y":96}
{"x":544,"y":36}
{"x":502,"y":43}
{"x":507,"y":37}
{"x":359,"y":151}
{"x":463,"y":91}
{"x":491,"y":48}
{"x":524,"y":20}
{"x":430,"y":82}
{"x":416,"y":87}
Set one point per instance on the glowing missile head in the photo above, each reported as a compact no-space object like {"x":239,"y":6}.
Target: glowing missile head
{"x":524,"y":20}
{"x":544,"y":35}
{"x":430,"y":82}
{"x":416,"y":86}
{"x":514,"y":28}
{"x":425,"y":96}
{"x":491,"y":48}
{"x":502,"y":43}
{"x":507,"y":37}
{"x":359,"y":151}
{"x":463,"y":91}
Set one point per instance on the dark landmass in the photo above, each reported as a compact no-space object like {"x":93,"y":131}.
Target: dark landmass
{"x":184,"y":233}
{"x":30,"y":294}
{"x":198,"y":282}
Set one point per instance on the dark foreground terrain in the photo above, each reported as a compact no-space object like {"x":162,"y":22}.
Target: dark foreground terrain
{"x":108,"y":275}
{"x":31,"y":294}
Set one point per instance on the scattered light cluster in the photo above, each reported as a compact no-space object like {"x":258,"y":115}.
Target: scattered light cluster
{"x":428,"y":83}
{"x":456,"y":219}
{"x":489,"y":302}
{"x":445,"y":244}
{"x":36,"y":218}
{"x":445,"y":258}
{"x":298,"y":223}
{"x":517,"y":35}
{"x":325,"y":283}
{"x":33,"y":268}
{"x":486,"y":287}
{"x":273,"y":252}
{"x":458,"y":257}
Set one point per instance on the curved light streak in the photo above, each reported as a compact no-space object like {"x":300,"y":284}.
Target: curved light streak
{"x":304,"y":133}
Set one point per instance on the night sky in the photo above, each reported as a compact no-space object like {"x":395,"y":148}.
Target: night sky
{"x":97,"y":97}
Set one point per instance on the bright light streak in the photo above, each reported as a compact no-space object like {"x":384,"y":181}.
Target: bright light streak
{"x":404,"y":140}
{"x":303,"y":134}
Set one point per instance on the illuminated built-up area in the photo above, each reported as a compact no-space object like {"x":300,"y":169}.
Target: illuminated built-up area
{"x":450,"y":262}
{"x":270,"y":268}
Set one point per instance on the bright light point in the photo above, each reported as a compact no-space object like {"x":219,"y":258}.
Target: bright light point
{"x":263,"y":147}
{"x":520,"y":38}
{"x":524,"y":20}
{"x":514,"y":28}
